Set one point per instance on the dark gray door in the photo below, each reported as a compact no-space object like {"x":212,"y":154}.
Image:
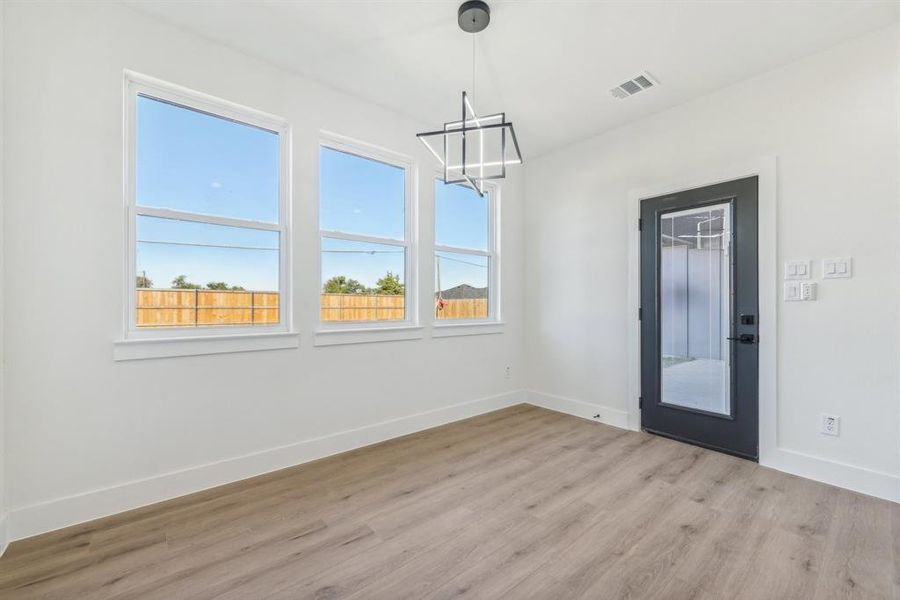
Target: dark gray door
{"x":700,"y":317}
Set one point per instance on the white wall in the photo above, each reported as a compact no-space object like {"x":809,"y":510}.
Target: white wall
{"x":832,"y":121}
{"x":91,"y":436}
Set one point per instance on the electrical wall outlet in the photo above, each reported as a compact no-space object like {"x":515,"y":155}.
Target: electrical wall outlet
{"x":831,"y":425}
{"x":507,"y":374}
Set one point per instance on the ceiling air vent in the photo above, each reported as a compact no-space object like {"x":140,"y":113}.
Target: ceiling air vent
{"x":633,"y":86}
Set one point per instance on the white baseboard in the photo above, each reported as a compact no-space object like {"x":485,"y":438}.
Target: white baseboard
{"x":4,"y":533}
{"x":578,"y":408}
{"x":63,"y":512}
{"x":851,"y":477}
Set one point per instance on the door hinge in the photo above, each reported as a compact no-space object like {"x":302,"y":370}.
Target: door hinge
{"x":640,"y":224}
{"x":640,"y":313}
{"x":640,"y":402}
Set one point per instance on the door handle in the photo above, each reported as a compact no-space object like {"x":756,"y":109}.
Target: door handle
{"x":744,"y":338}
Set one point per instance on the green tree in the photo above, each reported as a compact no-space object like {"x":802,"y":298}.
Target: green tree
{"x":144,"y":282}
{"x":217,"y":285}
{"x":181,"y":283}
{"x":341,"y":284}
{"x":221,"y":285}
{"x":389,"y":285}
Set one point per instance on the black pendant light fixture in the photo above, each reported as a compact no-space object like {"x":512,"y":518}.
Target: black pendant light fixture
{"x":474,"y":148}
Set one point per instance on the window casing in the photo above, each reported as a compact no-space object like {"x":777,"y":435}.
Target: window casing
{"x":468,"y":258}
{"x":265,"y":235}
{"x":342,"y":239}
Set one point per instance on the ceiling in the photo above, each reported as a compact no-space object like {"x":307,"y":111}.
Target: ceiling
{"x":548,"y":64}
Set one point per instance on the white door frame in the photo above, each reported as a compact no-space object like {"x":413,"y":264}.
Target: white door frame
{"x":765,"y":169}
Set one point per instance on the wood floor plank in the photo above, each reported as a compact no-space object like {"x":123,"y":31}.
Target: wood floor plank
{"x":493,"y":578}
{"x":605,"y":543}
{"x":521,"y":503}
{"x":858,"y":557}
{"x":895,"y":536}
{"x":647,"y":568}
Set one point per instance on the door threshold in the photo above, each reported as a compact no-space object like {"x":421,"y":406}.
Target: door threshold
{"x":702,"y":445}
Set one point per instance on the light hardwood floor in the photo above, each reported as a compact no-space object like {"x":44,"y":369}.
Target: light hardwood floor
{"x":520,"y":503}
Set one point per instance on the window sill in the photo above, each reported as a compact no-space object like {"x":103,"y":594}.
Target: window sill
{"x":364,"y":335}
{"x":440,"y":330}
{"x":143,"y":348}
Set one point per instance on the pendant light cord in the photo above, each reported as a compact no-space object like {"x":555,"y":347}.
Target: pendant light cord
{"x":473,"y":66}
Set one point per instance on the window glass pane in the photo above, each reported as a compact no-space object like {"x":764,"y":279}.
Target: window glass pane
{"x":195,"y":162}
{"x":196,"y":274}
{"x":362,"y":281}
{"x":460,"y":217}
{"x":462,"y":284}
{"x":361,"y":196}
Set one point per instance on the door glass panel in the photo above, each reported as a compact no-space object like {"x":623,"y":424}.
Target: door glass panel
{"x":695,"y":308}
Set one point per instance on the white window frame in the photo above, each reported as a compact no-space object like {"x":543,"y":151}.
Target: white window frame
{"x":343,"y":332}
{"x":135,"y":85}
{"x":493,"y":322}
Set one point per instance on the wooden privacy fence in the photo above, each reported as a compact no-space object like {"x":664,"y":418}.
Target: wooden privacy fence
{"x":361,"y":307}
{"x":198,"y":308}
{"x":464,"y":308}
{"x":203,"y":308}
{"x":374,"y":307}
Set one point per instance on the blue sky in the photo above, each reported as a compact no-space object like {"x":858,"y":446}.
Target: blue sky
{"x":461,"y":221}
{"x":456,"y":268}
{"x":191,"y":161}
{"x":461,"y":217}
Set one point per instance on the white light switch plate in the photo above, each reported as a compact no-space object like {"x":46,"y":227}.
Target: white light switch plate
{"x":792,"y":291}
{"x":797,"y":269}
{"x":837,"y":268}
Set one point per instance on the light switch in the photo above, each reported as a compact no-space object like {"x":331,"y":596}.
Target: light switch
{"x":837,"y":268}
{"x":792,"y":291}
{"x":797,"y":269}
